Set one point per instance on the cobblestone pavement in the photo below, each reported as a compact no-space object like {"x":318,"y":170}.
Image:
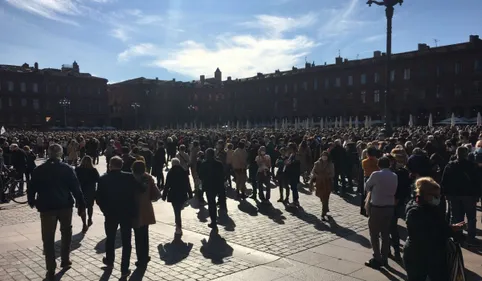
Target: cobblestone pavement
{"x":255,"y":243}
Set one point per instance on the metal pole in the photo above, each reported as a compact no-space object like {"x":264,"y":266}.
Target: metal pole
{"x":389,"y":13}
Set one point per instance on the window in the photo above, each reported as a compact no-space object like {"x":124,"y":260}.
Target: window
{"x":295,"y":87}
{"x":438,"y":92}
{"x":423,"y":94}
{"x":35,"y":87}
{"x":457,"y":91}
{"x":47,"y":105}
{"x":98,"y":91}
{"x":305,"y":86}
{"x":57,"y":89}
{"x":276,"y":89}
{"x":438,"y":71}
{"x":363,"y":79}
{"x":350,"y":95}
{"x":337,"y":82}
{"x":295,"y":104}
{"x":376,"y":78}
{"x":457,"y":68}
{"x":478,"y":65}
{"x":286,"y":88}
{"x":406,"y":74}
{"x":350,"y":80}
{"x":275,"y":106}
{"x":363,"y":97}
{"x":315,"y":84}
{"x":392,"y":75}
{"x":24,"y":102}
{"x":327,"y":83}
{"x":99,"y":107}
{"x":68,"y":89}
{"x":267,"y":89}
{"x":23,"y":87}
{"x":477,"y":87}
{"x":0,"y":103}
{"x":10,"y":86}
{"x":406,"y":92}
{"x":376,"y":96}
{"x":10,"y":102}
{"x":36,"y":105}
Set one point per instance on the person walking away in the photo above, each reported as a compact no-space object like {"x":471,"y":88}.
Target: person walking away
{"x":252,"y":166}
{"x":304,"y":156}
{"x":369,"y":166}
{"x":199,"y":191}
{"x":461,"y":186}
{"x":145,"y":152}
{"x":171,"y":148}
{"x":397,"y":165}
{"x":88,"y":177}
{"x":31,"y":157}
{"x":177,"y":191}
{"x":322,"y":174}
{"x":52,"y":190}
{"x":183,"y":158}
{"x":292,"y":171}
{"x":193,"y":155}
{"x":73,"y":152}
{"x":263,"y":176}
{"x":18,"y":160}
{"x":212,"y":177}
{"x":109,"y":152}
{"x":127,"y":159}
{"x":273,"y":154}
{"x":381,"y":188}
{"x":425,"y":251}
{"x":145,"y":216}
{"x":240,"y":164}
{"x":229,"y":164}
{"x":117,"y":194}
{"x":283,"y":182}
{"x":158,"y":165}
{"x":338,"y":156}
{"x":351,"y":164}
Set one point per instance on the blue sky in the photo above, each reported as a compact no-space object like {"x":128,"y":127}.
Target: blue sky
{"x":182,"y":39}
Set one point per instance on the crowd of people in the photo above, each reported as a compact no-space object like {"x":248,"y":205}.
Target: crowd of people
{"x":430,"y":177}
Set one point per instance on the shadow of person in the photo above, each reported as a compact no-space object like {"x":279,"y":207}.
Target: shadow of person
{"x":248,"y":208}
{"x":216,"y":248}
{"x":225,"y":220}
{"x":202,"y":214}
{"x":271,"y":212}
{"x":75,"y":244}
{"x":138,"y":274}
{"x":175,"y":251}
{"x":106,"y":275}
{"x":470,"y":275}
{"x":100,"y":247}
{"x":347,"y":233}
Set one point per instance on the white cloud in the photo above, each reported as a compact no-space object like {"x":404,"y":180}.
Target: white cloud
{"x":342,"y":20}
{"x":148,"y":19}
{"x":275,"y":26}
{"x":374,"y":38}
{"x":144,"y":49}
{"x":120,"y":33}
{"x":58,"y":10}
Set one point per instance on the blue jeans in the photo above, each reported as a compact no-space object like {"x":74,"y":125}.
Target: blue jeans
{"x":461,"y":207}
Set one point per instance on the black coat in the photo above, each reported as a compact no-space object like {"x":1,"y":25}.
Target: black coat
{"x":128,"y":161}
{"x":117,"y":194}
{"x":52,"y":185}
{"x":460,"y":178}
{"x":428,"y":234}
{"x":178,"y":188}
{"x":88,"y":179}
{"x":211,"y":174}
{"x":19,"y":160}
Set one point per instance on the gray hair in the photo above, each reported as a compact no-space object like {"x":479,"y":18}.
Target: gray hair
{"x":55,"y":151}
{"x":175,"y":162}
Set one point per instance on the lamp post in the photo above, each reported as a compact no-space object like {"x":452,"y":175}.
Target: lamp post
{"x":389,"y":9}
{"x":64,"y":103}
{"x":136,"y":106}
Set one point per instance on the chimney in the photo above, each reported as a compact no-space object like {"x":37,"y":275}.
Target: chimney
{"x":294,"y":68}
{"x":229,"y":78}
{"x":260,"y":75}
{"x":157,"y":79}
{"x":36,"y":66}
{"x":423,"y":47}
{"x":25,"y":65}
{"x":345,"y":61}
{"x":202,"y":78}
{"x":173,"y":79}
{"x":474,"y":38}
{"x":339,"y":60}
{"x":307,"y":65}
{"x":377,"y":54}
{"x":277,"y":71}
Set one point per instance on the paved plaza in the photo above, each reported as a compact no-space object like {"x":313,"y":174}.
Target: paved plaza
{"x":254,"y":243}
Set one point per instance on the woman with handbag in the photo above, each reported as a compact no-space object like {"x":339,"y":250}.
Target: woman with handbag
{"x":145,"y":217}
{"x":177,"y":191}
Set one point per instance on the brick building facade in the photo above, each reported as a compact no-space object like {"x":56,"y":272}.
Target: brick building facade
{"x":441,"y":81}
{"x":29,"y":97}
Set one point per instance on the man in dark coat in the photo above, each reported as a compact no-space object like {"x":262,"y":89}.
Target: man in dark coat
{"x":127,"y":159}
{"x":212,"y":177}
{"x":338,"y":157}
{"x":116,"y":197}
{"x":51,"y":188}
{"x":19,"y":163}
{"x":158,"y":164}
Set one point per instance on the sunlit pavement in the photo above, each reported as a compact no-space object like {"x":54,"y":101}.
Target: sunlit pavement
{"x":254,"y":243}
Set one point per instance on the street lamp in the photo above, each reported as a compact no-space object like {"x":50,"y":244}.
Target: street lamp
{"x":64,"y":103}
{"x":136,"y":106}
{"x":388,"y":4}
